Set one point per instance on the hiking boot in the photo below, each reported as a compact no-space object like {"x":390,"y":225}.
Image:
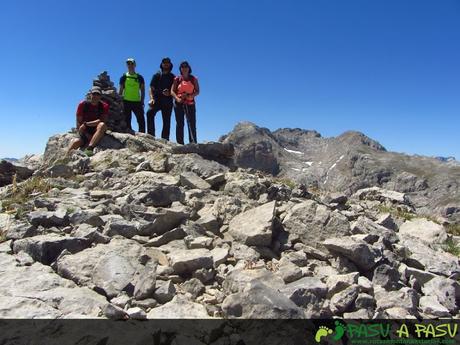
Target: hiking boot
{"x":88,"y":152}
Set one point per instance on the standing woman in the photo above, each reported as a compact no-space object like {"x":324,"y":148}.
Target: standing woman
{"x":184,"y":90}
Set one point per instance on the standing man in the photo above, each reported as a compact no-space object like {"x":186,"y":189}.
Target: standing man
{"x":161,"y":99}
{"x":132,"y":88}
{"x":91,"y":122}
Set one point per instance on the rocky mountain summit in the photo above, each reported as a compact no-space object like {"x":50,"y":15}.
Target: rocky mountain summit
{"x":348,"y":163}
{"x":150,"y":229}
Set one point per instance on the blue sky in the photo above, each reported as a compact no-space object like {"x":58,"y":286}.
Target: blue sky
{"x":387,"y":68}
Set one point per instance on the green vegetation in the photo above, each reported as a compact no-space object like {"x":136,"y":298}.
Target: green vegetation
{"x":397,"y":212}
{"x":451,"y":247}
{"x":3,"y":235}
{"x":78,"y":178}
{"x":453,"y":229}
{"x":71,"y":209}
{"x":286,"y":181}
{"x":16,"y":202}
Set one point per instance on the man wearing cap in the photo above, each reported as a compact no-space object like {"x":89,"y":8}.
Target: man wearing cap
{"x":91,"y":121}
{"x":160,"y":98}
{"x":132,"y":88}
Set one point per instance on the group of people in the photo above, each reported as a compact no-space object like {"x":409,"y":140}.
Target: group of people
{"x":166,"y":92}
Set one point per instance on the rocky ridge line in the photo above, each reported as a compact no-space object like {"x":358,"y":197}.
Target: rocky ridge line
{"x":150,"y":229}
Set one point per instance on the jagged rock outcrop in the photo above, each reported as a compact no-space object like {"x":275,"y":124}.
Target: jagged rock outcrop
{"x":347,"y":163}
{"x":149,"y":229}
{"x":9,"y":170}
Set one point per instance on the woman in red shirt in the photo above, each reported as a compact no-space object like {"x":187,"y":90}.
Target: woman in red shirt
{"x":184,"y":90}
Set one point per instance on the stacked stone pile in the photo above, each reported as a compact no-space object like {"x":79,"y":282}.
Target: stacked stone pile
{"x":110,"y":95}
{"x":140,"y":230}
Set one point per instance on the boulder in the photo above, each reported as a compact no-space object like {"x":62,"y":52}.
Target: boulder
{"x":189,"y":260}
{"x":218,"y":152}
{"x":191,"y":180}
{"x":120,"y":227}
{"x":179,"y":308}
{"x":299,"y":291}
{"x":36,"y":291}
{"x":405,"y":298}
{"x":172,"y":235}
{"x":161,"y":220}
{"x":109,"y":268}
{"x":425,"y":230}
{"x":238,"y":279}
{"x":446,"y":291}
{"x":261,"y":302}
{"x":424,"y":257}
{"x":359,"y":252}
{"x":344,"y":300}
{"x":46,"y":248}
{"x":48,"y":219}
{"x":312,"y":223}
{"x":254,"y":227}
{"x":165,"y":292}
{"x":431,"y":306}
{"x":8,"y":170}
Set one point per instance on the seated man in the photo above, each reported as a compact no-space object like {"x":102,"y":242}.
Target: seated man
{"x":91,"y":118}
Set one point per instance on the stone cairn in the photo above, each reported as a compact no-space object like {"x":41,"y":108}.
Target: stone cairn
{"x":116,"y":121}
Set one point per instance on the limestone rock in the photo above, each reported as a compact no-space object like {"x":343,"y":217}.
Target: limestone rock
{"x":187,"y":261}
{"x":46,"y":248}
{"x":359,"y":252}
{"x":260,"y":301}
{"x":192,"y":180}
{"x":254,"y":227}
{"x":179,"y":308}
{"x":312,"y":223}
{"x":426,"y":230}
{"x":108,"y":267}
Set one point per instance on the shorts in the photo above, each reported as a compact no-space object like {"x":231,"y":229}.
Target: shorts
{"x":84,"y":138}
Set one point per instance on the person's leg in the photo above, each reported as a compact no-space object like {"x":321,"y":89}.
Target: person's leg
{"x":127,"y":114}
{"x":75,"y":145}
{"x":166,"y":111}
{"x":179,"y":112}
{"x":151,"y":118}
{"x":139,"y":112}
{"x":100,"y":131}
{"x":191,"y":118}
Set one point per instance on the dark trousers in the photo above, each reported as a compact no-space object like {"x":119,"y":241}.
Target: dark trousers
{"x":138,"y":109}
{"x":189,"y":111}
{"x":166,"y":110}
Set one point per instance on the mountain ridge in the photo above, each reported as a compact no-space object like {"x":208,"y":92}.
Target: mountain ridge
{"x":346,"y":163}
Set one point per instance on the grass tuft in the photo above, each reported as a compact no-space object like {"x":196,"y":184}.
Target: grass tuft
{"x":453,"y":229}
{"x":15,"y":203}
{"x":397,"y":212}
{"x":451,"y":247}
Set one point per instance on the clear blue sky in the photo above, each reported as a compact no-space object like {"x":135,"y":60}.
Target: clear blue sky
{"x":387,"y":68}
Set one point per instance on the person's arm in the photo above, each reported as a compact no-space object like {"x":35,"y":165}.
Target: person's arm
{"x":122,"y":85}
{"x":174,"y":90}
{"x":103,"y":119}
{"x":196,"y":90}
{"x":151,"y":90}
{"x":142,"y":93}
{"x":92,"y":123}
{"x":80,"y":124}
{"x":105,"y":113}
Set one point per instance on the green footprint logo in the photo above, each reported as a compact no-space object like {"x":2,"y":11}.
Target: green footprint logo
{"x":323,"y":331}
{"x":339,"y":330}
